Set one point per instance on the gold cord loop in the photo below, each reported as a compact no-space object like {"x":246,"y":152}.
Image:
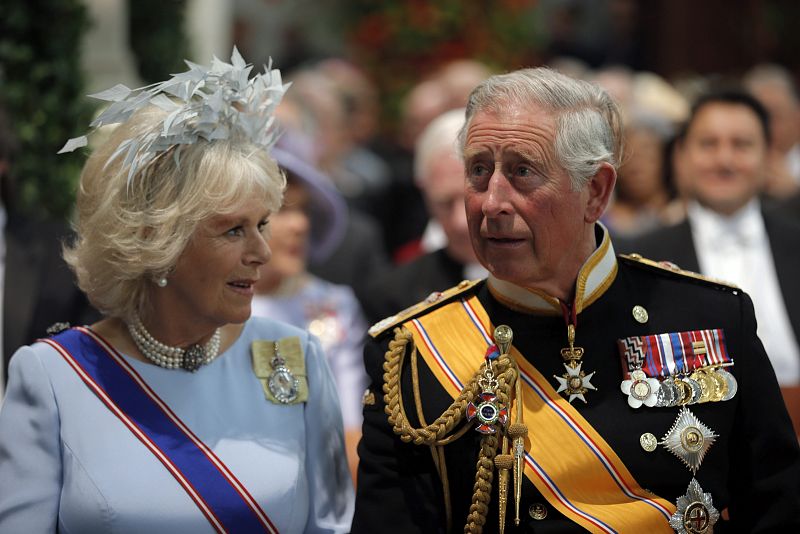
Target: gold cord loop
{"x":441,"y":431}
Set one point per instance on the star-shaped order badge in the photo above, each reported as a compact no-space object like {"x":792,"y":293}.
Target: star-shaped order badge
{"x":640,"y":389}
{"x":695,"y":511}
{"x":689,"y":439}
{"x":574,"y":382}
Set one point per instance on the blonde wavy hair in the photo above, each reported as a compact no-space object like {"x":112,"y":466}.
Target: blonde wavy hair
{"x":132,"y":232}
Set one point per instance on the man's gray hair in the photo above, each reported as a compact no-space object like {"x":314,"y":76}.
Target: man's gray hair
{"x":588,"y":129}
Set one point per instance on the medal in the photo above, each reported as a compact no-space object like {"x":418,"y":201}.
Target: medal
{"x":697,"y":390}
{"x":640,"y":389}
{"x":283,"y":385}
{"x":696,"y":513}
{"x":707,"y":385}
{"x":485,"y":407}
{"x":575,"y":382}
{"x":684,"y":391}
{"x":667,"y":395}
{"x":730,"y":380}
{"x":689,"y":439}
{"x":721,"y":386}
{"x":689,"y":364}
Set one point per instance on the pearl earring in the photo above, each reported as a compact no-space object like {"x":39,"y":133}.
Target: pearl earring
{"x":162,"y":282}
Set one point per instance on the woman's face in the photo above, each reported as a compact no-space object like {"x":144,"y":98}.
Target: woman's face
{"x":289,"y":233}
{"x":213,"y":281}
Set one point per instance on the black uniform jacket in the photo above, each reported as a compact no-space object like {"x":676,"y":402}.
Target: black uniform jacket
{"x":675,"y":244}
{"x":752,"y":470}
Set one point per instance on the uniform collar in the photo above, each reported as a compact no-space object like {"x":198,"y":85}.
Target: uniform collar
{"x":594,"y":278}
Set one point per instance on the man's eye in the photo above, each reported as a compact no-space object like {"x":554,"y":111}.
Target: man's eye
{"x":523,"y":171}
{"x":478,"y":169}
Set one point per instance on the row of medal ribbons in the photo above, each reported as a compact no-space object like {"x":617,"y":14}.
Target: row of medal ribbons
{"x":676,"y":369}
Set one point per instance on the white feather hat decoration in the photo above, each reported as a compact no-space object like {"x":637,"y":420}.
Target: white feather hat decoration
{"x":216,"y":102}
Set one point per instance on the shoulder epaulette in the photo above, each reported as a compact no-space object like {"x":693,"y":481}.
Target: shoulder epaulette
{"x":434,"y":299}
{"x":638,"y":260}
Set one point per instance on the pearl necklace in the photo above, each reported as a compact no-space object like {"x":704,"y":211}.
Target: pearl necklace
{"x":190,"y":359}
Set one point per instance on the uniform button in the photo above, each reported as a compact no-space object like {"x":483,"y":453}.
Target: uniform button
{"x":537,"y":511}
{"x":640,"y":314}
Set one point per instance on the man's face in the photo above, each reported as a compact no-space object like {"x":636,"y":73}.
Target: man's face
{"x":724,"y":156}
{"x":527,"y":225}
{"x":444,"y":196}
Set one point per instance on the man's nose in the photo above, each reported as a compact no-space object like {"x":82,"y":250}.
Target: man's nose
{"x":497,"y":194}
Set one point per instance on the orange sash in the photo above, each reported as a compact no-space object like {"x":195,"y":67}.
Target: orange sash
{"x":567,"y":460}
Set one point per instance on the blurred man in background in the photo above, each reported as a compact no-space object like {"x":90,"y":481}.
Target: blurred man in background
{"x":447,"y":256}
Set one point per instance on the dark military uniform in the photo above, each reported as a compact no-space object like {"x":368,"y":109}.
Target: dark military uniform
{"x":752,"y":469}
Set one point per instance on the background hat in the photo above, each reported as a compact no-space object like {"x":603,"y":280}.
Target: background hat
{"x":328,"y":211}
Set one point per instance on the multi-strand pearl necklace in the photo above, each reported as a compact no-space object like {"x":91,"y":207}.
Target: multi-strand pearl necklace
{"x":190,"y":359}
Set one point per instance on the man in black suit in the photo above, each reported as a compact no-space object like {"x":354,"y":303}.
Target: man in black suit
{"x":38,"y":288}
{"x":728,"y":233}
{"x":446,"y":251}
{"x":588,"y":391}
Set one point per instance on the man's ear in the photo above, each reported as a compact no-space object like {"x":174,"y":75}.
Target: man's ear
{"x":599,"y":188}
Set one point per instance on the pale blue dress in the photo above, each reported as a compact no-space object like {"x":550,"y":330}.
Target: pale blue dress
{"x":68,"y":464}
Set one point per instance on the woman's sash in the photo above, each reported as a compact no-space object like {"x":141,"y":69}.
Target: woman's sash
{"x":567,"y":460}
{"x":219,"y":495}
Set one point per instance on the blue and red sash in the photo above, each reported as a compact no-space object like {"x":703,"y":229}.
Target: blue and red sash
{"x":219,"y":495}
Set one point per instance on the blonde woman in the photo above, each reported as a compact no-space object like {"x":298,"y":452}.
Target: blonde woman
{"x":177,"y":412}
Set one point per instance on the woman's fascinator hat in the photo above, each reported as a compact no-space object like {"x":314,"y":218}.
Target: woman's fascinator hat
{"x":212,"y":103}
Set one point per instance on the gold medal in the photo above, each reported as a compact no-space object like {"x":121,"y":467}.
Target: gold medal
{"x":721,"y":386}
{"x":684,"y":392}
{"x":707,"y":385}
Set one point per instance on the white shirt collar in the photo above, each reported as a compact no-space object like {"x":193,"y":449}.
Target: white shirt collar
{"x":594,"y":278}
{"x":744,"y":228}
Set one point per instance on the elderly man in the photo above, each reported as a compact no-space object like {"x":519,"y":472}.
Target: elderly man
{"x":448,"y":257}
{"x":572,"y":389}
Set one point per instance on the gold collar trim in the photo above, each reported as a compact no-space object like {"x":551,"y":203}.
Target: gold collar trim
{"x":594,"y":278}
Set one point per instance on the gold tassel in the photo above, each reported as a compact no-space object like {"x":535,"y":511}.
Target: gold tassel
{"x":503,"y":463}
{"x":517,"y":431}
